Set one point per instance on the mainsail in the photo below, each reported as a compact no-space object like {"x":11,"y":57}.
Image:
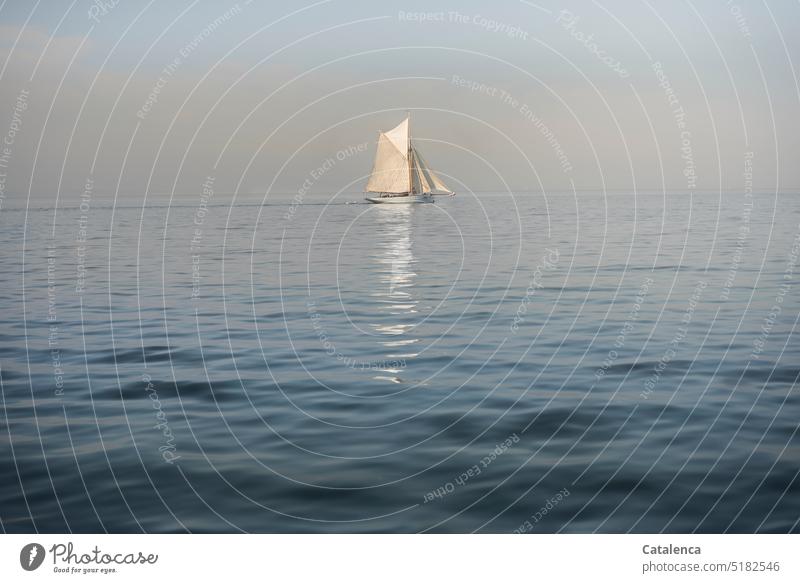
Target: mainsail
{"x":399,"y":169}
{"x":390,"y":171}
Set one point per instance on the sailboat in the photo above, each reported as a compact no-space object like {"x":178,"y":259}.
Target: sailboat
{"x":400,"y":174}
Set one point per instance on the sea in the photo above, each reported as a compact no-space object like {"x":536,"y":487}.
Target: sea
{"x":528,"y":362}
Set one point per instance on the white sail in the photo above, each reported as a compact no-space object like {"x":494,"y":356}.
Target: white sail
{"x":390,"y":171}
{"x":433,"y":183}
{"x":420,"y":183}
{"x":401,"y":136}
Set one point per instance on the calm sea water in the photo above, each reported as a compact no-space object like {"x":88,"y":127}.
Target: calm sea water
{"x":494,"y":363}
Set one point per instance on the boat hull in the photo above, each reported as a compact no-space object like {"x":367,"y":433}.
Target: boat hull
{"x":411,"y":199}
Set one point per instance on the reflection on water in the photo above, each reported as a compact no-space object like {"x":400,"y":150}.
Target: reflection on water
{"x":395,"y":294}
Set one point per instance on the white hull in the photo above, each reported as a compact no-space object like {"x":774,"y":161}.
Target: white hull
{"x":410,"y":199}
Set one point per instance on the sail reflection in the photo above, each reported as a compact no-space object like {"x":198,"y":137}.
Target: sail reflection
{"x":394,"y":294}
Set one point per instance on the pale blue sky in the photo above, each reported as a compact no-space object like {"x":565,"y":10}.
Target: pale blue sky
{"x":332,"y":74}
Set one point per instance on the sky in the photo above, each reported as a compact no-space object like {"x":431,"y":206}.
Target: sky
{"x":138,"y":101}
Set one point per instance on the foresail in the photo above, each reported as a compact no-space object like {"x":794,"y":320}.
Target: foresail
{"x":421,"y":185}
{"x":427,"y":176}
{"x":390,"y":171}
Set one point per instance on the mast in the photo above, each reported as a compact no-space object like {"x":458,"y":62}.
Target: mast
{"x":409,"y":156}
